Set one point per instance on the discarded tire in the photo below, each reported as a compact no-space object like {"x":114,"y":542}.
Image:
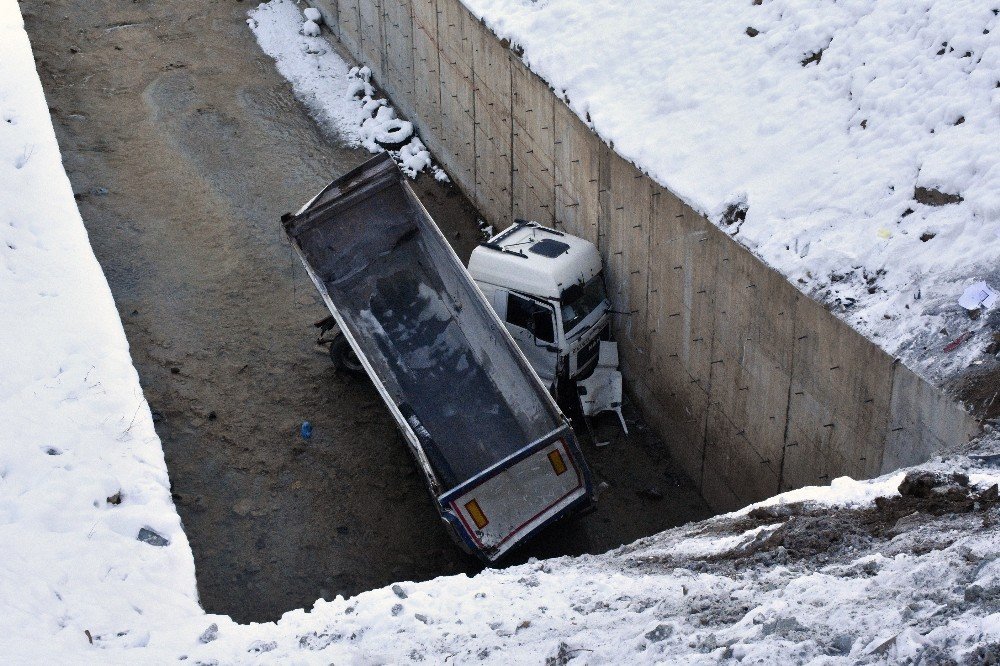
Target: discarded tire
{"x":394,"y":134}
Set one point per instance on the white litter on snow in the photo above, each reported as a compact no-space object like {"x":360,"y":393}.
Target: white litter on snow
{"x":825,"y":123}
{"x":340,"y":97}
{"x":979,"y":295}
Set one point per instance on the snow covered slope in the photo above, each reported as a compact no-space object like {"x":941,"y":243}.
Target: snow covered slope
{"x":81,"y":468}
{"x":845,"y":126}
{"x":902,"y":569}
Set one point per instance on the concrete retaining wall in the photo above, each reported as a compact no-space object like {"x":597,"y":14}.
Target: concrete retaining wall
{"x":755,"y":388}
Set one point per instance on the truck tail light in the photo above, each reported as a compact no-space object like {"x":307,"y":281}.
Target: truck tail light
{"x":472,"y":506}
{"x":558,"y":464}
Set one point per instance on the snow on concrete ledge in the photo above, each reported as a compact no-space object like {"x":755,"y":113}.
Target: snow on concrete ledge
{"x":81,"y":468}
{"x":861,"y":136}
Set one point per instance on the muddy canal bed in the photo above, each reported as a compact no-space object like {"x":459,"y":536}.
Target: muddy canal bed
{"x":184,"y":147}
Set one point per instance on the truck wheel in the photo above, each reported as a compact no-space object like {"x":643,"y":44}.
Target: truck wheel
{"x":344,"y":358}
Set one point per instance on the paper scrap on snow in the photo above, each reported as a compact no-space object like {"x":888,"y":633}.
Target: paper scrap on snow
{"x":979,"y":295}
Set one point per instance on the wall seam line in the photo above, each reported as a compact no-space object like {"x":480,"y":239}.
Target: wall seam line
{"x":788,"y":398}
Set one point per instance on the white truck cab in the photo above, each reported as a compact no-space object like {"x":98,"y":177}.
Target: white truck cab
{"x":548,"y":288}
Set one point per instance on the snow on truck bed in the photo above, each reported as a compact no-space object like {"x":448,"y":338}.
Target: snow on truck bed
{"x":863,"y":136}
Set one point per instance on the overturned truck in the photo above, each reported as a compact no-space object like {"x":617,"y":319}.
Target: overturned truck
{"x":499,"y":457}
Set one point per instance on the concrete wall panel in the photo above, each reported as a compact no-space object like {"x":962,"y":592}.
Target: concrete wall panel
{"x":626,"y":261}
{"x":923,"y":421}
{"x":349,"y":18}
{"x":397,"y":27}
{"x":491,"y":69}
{"x":426,"y":73}
{"x":681,"y":401}
{"x":576,"y":160}
{"x":372,"y":39}
{"x":839,"y":409}
{"x":455,"y":26}
{"x":751,"y":357}
{"x":534,"y":170}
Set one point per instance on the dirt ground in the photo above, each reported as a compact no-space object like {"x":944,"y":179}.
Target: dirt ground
{"x":184,"y":147}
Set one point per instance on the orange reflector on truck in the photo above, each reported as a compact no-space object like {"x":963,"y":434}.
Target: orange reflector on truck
{"x":477,"y":514}
{"x":557,"y":462}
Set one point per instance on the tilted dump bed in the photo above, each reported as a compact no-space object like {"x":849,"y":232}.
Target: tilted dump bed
{"x":463,"y":394}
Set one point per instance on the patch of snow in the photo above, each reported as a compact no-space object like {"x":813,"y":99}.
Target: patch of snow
{"x":340,"y":97}
{"x":861,"y":135}
{"x":312,"y":14}
{"x":83,"y":483}
{"x":714,"y":545}
{"x":310,"y":29}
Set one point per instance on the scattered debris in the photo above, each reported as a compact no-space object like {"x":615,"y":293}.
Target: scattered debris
{"x":650,"y":493}
{"x":398,"y":591}
{"x":485,"y":229}
{"x":259,"y":646}
{"x":209,"y":634}
{"x":812,"y":57}
{"x":306,"y":430}
{"x":979,"y":295}
{"x":115,"y":499}
{"x":659,"y":633}
{"x":930,"y":196}
{"x":735,"y":214}
{"x":147,"y":535}
{"x":954,"y":344}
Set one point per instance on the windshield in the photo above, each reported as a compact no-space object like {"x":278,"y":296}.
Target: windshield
{"x":580,"y":300}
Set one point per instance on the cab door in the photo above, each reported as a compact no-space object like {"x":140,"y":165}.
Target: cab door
{"x":532,"y":324}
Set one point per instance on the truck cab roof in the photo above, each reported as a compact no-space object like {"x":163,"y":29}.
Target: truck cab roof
{"x":533,"y":259}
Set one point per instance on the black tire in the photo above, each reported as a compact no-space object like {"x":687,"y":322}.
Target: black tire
{"x":344,"y":358}
{"x":395,"y":134}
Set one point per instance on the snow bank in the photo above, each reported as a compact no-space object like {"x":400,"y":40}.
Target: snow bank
{"x":75,"y":429}
{"x":340,"y":97}
{"x":920,"y":587}
{"x":842,"y":125}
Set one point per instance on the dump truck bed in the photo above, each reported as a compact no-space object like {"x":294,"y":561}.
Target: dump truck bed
{"x":439,"y":355}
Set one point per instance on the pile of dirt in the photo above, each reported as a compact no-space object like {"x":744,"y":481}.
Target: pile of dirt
{"x":813,"y":535}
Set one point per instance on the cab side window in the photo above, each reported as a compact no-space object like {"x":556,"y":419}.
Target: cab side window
{"x":531,"y":316}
